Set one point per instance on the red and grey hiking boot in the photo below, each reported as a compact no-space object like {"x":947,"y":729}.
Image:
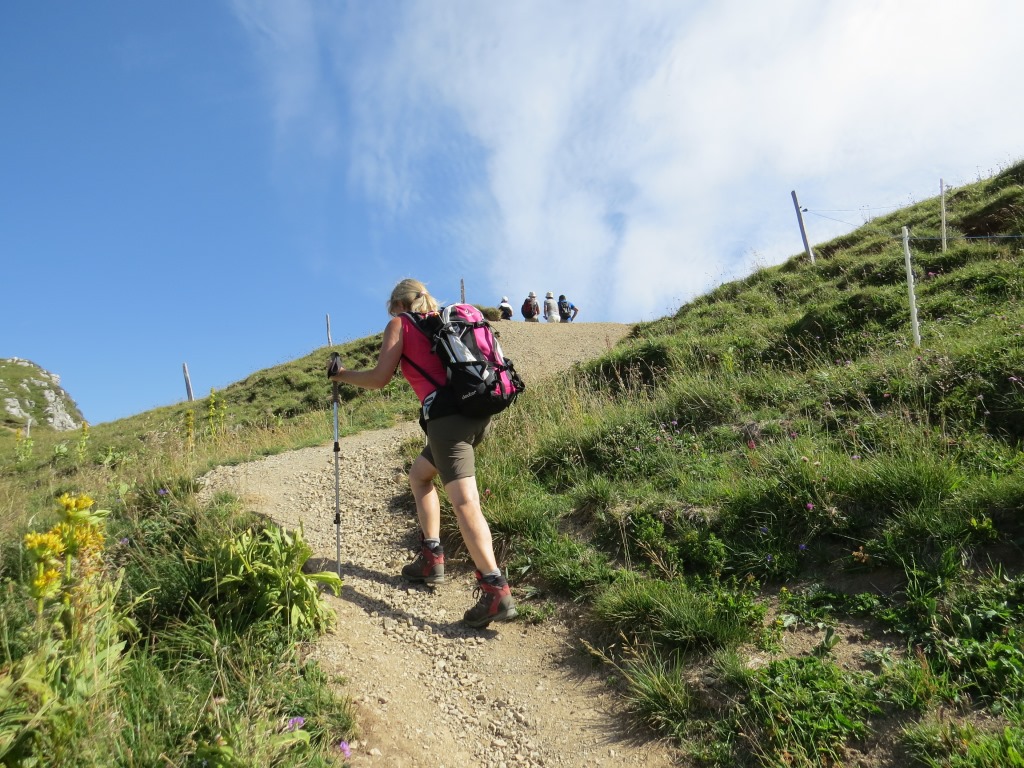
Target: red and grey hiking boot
{"x":495,"y":604}
{"x":428,"y":567}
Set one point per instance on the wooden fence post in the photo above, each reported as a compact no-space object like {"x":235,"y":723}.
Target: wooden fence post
{"x":910,"y":288}
{"x":462,"y":289}
{"x":803,"y":231}
{"x":942,"y":197}
{"x":188,"y":382}
{"x":329,"y":342}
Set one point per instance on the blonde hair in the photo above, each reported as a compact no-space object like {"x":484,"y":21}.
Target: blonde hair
{"x":411,"y":296}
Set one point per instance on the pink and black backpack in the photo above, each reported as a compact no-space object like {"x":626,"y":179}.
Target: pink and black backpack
{"x":481,"y":381}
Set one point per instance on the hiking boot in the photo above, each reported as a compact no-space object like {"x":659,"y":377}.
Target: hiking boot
{"x":495,"y":604}
{"x":428,"y":567}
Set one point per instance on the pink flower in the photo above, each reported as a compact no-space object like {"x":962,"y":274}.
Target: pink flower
{"x":344,"y":748}
{"x":810,"y":505}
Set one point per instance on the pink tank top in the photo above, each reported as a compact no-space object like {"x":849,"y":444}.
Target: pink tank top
{"x":416,"y":346}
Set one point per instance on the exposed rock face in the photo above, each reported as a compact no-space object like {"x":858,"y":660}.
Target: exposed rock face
{"x":30,"y":393}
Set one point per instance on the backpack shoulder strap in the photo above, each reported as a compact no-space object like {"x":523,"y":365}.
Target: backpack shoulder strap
{"x":418,"y":322}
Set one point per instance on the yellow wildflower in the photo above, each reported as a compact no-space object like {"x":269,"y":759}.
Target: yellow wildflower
{"x":68,"y":535}
{"x":72,"y":503}
{"x":46,"y":582}
{"x":89,"y":537}
{"x":44,"y":546}
{"x":79,"y":508}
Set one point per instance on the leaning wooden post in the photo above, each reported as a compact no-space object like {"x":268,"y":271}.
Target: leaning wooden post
{"x":188,"y":382}
{"x":910,"y":288}
{"x":462,"y":289}
{"x":329,"y":342}
{"x":942,"y":197}
{"x":803,"y":231}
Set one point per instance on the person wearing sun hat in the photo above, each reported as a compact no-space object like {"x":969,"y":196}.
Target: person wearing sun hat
{"x":531,"y":309}
{"x":550,"y":307}
{"x":505,"y":308}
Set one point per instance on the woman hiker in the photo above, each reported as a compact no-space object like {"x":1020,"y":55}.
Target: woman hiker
{"x":449,"y":452}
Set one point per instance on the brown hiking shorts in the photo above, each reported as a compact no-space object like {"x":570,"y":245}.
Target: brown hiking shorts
{"x":450,"y":443}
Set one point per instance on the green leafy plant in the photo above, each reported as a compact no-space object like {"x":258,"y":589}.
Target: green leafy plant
{"x":258,"y":575}
{"x":82,"y":444}
{"x":806,"y":709}
{"x":23,"y":445}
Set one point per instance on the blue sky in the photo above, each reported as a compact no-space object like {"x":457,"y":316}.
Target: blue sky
{"x":204,"y":181}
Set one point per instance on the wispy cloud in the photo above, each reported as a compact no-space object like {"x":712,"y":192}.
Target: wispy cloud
{"x":640,"y":152}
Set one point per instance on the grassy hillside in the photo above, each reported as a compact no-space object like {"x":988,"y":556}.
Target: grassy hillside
{"x":726,"y":497}
{"x":778,"y":460}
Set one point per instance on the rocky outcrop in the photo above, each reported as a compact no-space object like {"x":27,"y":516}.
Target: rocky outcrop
{"x":31,"y":395}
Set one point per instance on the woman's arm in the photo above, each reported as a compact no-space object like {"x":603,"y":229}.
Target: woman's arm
{"x":390,"y":355}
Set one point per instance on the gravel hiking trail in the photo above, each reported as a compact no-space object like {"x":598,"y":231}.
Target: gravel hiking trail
{"x":428,"y":691}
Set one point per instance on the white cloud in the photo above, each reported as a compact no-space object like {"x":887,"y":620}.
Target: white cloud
{"x":642,"y":152}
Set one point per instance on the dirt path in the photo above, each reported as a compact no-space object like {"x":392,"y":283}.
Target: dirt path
{"x":429,"y":692}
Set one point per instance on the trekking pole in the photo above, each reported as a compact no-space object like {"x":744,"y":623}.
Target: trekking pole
{"x":337,"y":469}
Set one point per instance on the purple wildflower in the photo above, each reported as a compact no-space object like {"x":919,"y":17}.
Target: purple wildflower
{"x":295,"y":723}
{"x":802,"y":547}
{"x":162,"y":492}
{"x":810,"y":505}
{"x":344,"y":748}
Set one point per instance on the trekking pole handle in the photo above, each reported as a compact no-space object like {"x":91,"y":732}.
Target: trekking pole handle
{"x":333,"y":367}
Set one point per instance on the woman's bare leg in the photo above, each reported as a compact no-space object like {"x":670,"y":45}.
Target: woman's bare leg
{"x":428,"y":507}
{"x":476,"y":534}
